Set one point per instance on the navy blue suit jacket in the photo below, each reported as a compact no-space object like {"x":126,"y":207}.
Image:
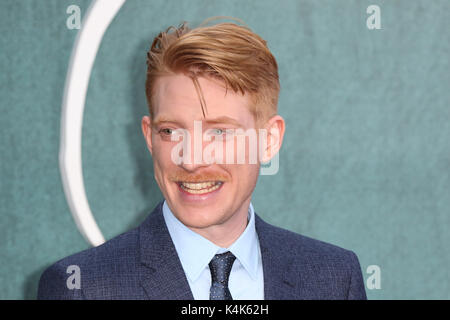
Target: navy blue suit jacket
{"x":143,"y":264}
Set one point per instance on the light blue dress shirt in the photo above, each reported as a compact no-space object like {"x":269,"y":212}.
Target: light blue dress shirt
{"x":246,"y":280}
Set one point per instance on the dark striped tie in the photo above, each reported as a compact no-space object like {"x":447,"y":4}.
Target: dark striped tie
{"x":220,"y":267}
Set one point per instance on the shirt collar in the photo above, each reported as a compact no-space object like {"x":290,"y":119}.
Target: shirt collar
{"x":195,"y":252}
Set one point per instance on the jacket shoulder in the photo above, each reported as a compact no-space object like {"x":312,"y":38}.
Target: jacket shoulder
{"x":327,"y":270}
{"x":294,"y":242}
{"x":91,"y":268}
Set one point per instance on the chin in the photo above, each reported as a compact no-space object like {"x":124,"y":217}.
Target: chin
{"x":199,"y":218}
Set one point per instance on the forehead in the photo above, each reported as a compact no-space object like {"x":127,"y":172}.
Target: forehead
{"x":175,"y":96}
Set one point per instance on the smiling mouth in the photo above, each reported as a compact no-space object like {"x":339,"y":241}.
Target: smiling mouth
{"x":200,"y":187}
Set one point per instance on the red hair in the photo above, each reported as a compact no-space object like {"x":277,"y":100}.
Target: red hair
{"x":229,"y":52}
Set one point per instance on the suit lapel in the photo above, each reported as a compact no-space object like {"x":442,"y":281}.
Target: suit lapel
{"x":280,"y":283}
{"x":162,"y":275}
{"x":163,"y":278}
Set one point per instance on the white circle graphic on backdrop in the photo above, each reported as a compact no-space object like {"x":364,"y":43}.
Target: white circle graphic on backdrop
{"x":95,"y":23}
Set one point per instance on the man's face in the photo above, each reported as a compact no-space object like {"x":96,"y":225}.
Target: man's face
{"x":200,"y":195}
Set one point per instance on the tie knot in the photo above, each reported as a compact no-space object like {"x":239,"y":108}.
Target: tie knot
{"x":220,"y":267}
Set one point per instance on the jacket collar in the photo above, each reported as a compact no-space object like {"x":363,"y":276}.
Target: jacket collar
{"x":281,"y":281}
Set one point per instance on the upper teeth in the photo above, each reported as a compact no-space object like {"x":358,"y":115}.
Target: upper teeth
{"x":199,"y":185}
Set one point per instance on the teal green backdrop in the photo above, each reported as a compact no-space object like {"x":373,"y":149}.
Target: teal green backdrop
{"x":365,"y":162}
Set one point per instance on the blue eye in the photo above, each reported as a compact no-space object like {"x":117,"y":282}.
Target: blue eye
{"x":221,"y":133}
{"x":166,"y":131}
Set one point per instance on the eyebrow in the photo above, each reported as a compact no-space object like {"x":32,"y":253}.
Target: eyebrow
{"x":160,"y":120}
{"x":224,"y":119}
{"x":221,"y":119}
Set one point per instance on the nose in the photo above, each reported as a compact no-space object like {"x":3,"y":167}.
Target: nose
{"x":192,"y":166}
{"x":192,"y":157}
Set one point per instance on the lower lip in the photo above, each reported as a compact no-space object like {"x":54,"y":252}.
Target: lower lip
{"x":185,"y":195}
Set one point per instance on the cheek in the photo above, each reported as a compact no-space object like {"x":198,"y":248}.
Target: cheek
{"x":244,"y":176}
{"x":247,"y":149}
{"x":162,"y":162}
{"x":162,"y":153}
{"x":239,"y":150}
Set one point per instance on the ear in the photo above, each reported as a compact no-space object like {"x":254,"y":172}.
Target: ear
{"x":275,"y":127}
{"x":147,"y":131}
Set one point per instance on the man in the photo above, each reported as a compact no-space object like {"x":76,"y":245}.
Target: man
{"x":207,"y":88}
